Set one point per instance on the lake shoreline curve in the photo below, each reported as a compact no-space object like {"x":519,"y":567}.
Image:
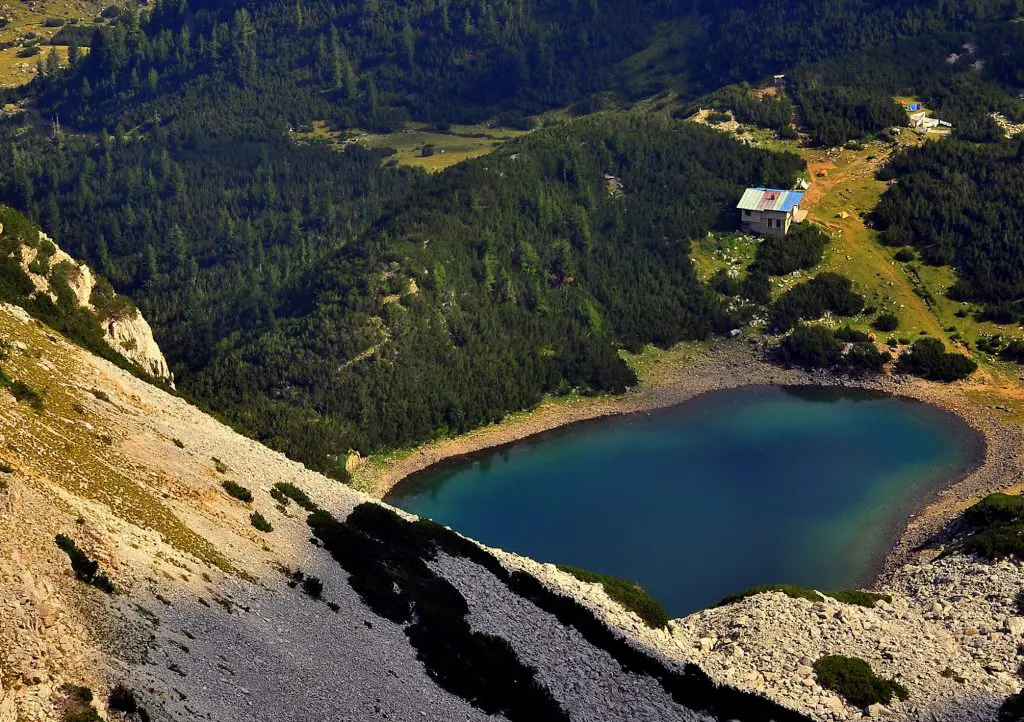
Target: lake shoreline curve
{"x":732,"y":364}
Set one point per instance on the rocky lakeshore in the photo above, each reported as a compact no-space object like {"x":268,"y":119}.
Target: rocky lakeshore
{"x":732,"y":364}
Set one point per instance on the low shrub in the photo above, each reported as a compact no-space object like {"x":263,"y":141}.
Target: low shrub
{"x":905,"y":255}
{"x":101,"y":395}
{"x":816,"y":347}
{"x":810,"y":300}
{"x":1014,"y":351}
{"x":802,"y":247}
{"x":236,"y":490}
{"x":859,"y":598}
{"x":995,"y":527}
{"x":1012,"y":710}
{"x":992,"y":343}
{"x":22,"y":391}
{"x":886,"y":322}
{"x":219,"y":465}
{"x":427,"y":150}
{"x":313,"y":587}
{"x":810,"y":347}
{"x":929,"y":359}
{"x":851,"y":334}
{"x":78,"y":693}
{"x":717,"y":118}
{"x":790,"y":590}
{"x":854,"y":680}
{"x":77,"y":704}
{"x":179,"y":443}
{"x":284,"y":491}
{"x":260,"y":522}
{"x":122,"y":699}
{"x":950,"y":673}
{"x":844,"y":596}
{"x":85,"y":569}
{"x":756,"y":286}
{"x":629,"y":594}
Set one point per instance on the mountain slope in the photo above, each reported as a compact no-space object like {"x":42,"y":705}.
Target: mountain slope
{"x":211,"y":618}
{"x":204,"y":620}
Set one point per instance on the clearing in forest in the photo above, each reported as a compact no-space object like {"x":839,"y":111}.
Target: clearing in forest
{"x":418,"y":144}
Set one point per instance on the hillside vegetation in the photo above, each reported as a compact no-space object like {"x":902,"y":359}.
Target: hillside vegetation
{"x":310,"y":295}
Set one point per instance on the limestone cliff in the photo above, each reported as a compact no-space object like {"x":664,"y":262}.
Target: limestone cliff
{"x":51,"y":271}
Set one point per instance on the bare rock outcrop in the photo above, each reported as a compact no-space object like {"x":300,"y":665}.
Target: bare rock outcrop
{"x":125,"y":329}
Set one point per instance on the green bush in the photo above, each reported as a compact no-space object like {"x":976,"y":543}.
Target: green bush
{"x":22,"y":392}
{"x":85,"y":569}
{"x":260,"y":522}
{"x":886,"y":322}
{"x":219,"y":465}
{"x":716,"y":118}
{"x":233,"y":488}
{"x":851,"y":334}
{"x":810,"y":347}
{"x":990,"y":343}
{"x":816,"y":347}
{"x":844,"y":596}
{"x":905,"y":255}
{"x":929,"y":359}
{"x":313,"y":587}
{"x":122,"y":699}
{"x":78,"y":705}
{"x":1014,"y":351}
{"x":810,"y":300}
{"x":995,"y":527}
{"x":629,"y":594}
{"x":859,"y":598}
{"x":802,"y":247}
{"x":427,"y":150}
{"x":854,"y":680}
{"x":790,"y":590}
{"x":40,"y":265}
{"x":283,"y":491}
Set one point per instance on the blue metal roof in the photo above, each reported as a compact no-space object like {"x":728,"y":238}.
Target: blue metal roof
{"x":770,"y":199}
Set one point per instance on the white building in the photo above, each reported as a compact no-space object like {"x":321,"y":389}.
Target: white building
{"x":769,"y":211}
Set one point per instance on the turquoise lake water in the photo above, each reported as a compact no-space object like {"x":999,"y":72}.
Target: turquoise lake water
{"x":735,"y":488}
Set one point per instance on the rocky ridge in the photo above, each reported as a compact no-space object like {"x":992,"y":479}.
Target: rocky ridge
{"x":125,"y":331}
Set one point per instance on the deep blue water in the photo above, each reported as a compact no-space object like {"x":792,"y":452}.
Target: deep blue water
{"x":735,"y":488}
